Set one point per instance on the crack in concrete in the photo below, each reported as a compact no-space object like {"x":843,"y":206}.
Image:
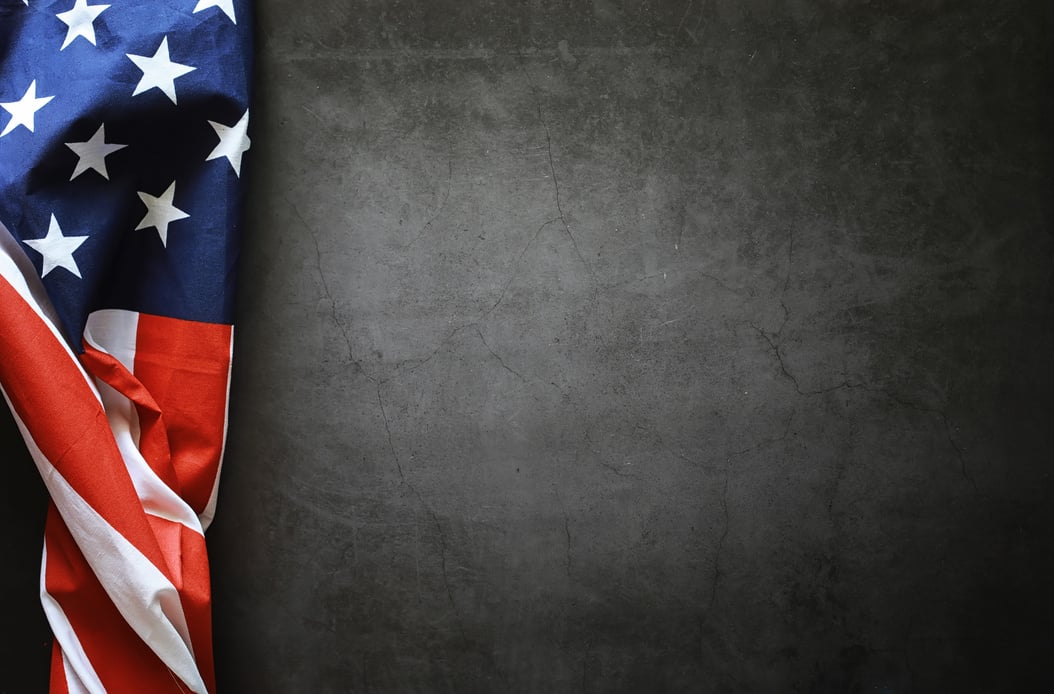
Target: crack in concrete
{"x":388,"y":429}
{"x":774,"y":341}
{"x":443,"y":548}
{"x":325,"y":286}
{"x":556,"y":184}
{"x":418,"y":363}
{"x":439,"y":210}
{"x":841,"y":467}
{"x":721,"y":283}
{"x":790,"y":266}
{"x":567,"y":531}
{"x":516,"y":266}
{"x":556,"y":189}
{"x":956,"y":447}
{"x":734,"y":454}
{"x":774,"y":345}
{"x":769,"y":441}
{"x":614,"y":469}
{"x":724,"y":503}
{"x":443,"y":568}
{"x":561,"y":217}
{"x":720,"y":542}
{"x":690,"y":32}
{"x":960,"y":454}
{"x":403,"y":481}
{"x":494,"y":354}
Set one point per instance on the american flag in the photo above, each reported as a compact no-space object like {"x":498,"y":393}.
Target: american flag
{"x":123,"y":134}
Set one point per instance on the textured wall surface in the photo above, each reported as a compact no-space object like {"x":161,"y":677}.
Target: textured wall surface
{"x":697,"y":346}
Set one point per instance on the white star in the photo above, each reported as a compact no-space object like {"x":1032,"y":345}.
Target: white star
{"x":93,"y":153}
{"x":226,"y":5}
{"x":159,"y":71}
{"x":233,"y":142}
{"x":160,"y":212}
{"x":80,"y":21}
{"x":22,"y":110}
{"x":57,"y":250}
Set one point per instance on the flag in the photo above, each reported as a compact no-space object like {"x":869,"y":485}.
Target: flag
{"x":123,"y":134}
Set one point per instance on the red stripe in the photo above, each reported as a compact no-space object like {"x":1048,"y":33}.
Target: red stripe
{"x":185,"y":366}
{"x":153,"y":439}
{"x":67,"y":423}
{"x":123,"y":662}
{"x":58,"y":671}
{"x":49,"y":394}
{"x":194,"y":588}
{"x":185,"y":551}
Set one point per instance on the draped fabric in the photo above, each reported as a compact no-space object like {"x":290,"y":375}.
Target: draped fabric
{"x":123,"y":128}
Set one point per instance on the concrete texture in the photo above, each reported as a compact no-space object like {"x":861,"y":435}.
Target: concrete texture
{"x":640,"y":347}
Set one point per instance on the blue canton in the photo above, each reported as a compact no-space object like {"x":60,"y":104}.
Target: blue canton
{"x":123,"y":127}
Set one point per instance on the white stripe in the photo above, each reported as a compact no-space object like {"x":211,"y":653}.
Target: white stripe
{"x":158,"y":498}
{"x":73,"y":682}
{"x":80,"y":675}
{"x":210,"y":508}
{"x":116,"y":331}
{"x":142,"y":594}
{"x":22,"y":276}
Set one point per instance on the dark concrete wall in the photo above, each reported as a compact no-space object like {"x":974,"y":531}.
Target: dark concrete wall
{"x":640,"y":347}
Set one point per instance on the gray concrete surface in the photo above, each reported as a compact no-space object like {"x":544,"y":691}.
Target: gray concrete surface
{"x":642,"y":347}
